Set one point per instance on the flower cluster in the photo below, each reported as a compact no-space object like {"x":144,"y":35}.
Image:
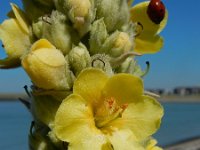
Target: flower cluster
{"x":87,"y":90}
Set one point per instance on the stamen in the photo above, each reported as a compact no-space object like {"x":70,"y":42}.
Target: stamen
{"x":124,"y":106}
{"x":147,"y":69}
{"x":119,"y":60}
{"x":93,"y":65}
{"x":139,"y":29}
{"x":111,"y":105}
{"x":26,"y":103}
{"x":31,"y":128}
{"x":26,"y":90}
{"x":111,"y":111}
{"x":111,"y":102}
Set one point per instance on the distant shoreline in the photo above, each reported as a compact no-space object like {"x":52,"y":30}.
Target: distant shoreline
{"x":182,"y":99}
{"x":12,"y":96}
{"x":165,"y":98}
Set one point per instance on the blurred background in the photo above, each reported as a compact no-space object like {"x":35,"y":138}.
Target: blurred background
{"x":174,"y":74}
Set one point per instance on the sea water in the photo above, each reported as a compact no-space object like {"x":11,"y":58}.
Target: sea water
{"x":181,"y":121}
{"x":14,"y":126}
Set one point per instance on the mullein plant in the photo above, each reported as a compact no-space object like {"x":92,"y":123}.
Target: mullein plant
{"x":80,"y":55}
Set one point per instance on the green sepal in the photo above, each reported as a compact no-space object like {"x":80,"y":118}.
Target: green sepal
{"x":98,"y":35}
{"x":44,"y":108}
{"x":131,"y":66}
{"x":55,"y":29}
{"x":35,"y":10}
{"x":81,"y":13}
{"x":79,"y":58}
{"x":9,"y":63}
{"x":114,"y":12}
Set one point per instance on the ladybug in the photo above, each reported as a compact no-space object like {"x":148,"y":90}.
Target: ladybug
{"x":156,"y":11}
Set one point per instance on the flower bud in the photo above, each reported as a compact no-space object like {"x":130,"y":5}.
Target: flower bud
{"x":131,"y":66}
{"x":98,"y":35}
{"x":47,"y":67}
{"x":37,"y":28}
{"x":79,"y":59}
{"x":14,"y":33}
{"x":127,"y":66}
{"x":114,"y":12}
{"x":56,"y":30}
{"x":80,"y":12}
{"x":117,"y":44}
{"x":122,"y":44}
{"x":129,"y":29}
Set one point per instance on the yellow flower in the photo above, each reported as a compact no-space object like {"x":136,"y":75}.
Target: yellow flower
{"x":147,"y":39}
{"x":105,"y":111}
{"x":14,"y":34}
{"x":47,"y":67}
{"x":151,"y":145}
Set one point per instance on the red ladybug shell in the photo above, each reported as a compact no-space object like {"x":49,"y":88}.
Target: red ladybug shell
{"x":156,"y":11}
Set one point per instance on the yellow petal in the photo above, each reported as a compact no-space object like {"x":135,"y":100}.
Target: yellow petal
{"x":16,"y":42}
{"x":20,"y":16}
{"x":156,"y":148}
{"x":139,"y":14}
{"x":147,"y":40}
{"x":143,"y":118}
{"x":42,"y":43}
{"x":74,"y":123}
{"x":124,"y":140}
{"x":163,"y":23}
{"x":124,"y":88}
{"x":47,"y":68}
{"x":147,"y":44}
{"x":89,"y":84}
{"x":151,"y":145}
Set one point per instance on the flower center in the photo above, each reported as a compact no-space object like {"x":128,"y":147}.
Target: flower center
{"x":108,"y":112}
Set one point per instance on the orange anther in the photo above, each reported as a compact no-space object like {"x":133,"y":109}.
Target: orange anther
{"x":124,"y":106}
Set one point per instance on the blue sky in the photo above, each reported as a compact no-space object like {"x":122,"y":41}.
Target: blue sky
{"x":176,"y":65}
